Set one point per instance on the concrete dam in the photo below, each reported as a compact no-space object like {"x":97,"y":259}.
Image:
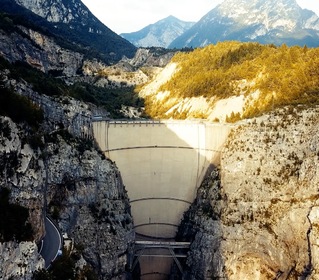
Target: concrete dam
{"x":162,"y":164}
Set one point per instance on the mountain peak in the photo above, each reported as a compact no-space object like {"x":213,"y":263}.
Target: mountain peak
{"x":159,"y":34}
{"x":265,"y":21}
{"x":170,"y":17}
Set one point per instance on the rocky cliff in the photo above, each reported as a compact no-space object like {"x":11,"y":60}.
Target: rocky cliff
{"x":72,"y":24}
{"x":259,"y":218}
{"x":56,"y":170}
{"x":44,"y":52}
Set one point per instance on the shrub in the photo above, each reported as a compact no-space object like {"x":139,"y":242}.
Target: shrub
{"x":19,"y":108}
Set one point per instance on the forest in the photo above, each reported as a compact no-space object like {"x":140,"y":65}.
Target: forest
{"x":282,"y":75}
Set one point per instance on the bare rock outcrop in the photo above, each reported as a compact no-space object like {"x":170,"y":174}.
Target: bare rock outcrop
{"x":40,"y":51}
{"x":58,"y":171}
{"x":261,"y":222}
{"x":269,"y":172}
{"x":155,"y":57}
{"x":86,"y":194}
{"x":19,"y":259}
{"x":22,"y":172}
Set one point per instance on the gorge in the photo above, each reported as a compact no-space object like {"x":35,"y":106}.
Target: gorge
{"x":162,"y":164}
{"x":258,"y":212}
{"x":234,"y":196}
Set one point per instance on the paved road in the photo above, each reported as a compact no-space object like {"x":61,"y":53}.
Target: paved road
{"x":51,"y":243}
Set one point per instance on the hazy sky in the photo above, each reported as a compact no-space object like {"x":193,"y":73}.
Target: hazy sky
{"x":124,"y":16}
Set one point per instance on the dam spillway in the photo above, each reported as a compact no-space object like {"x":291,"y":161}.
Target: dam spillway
{"x":162,"y":163}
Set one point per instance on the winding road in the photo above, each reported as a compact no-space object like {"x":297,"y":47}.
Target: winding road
{"x":51,"y":243}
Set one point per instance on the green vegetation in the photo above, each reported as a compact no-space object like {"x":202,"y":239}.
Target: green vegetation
{"x":19,"y":108}
{"x":284,"y":75}
{"x":111,"y":99}
{"x":14,"y":223}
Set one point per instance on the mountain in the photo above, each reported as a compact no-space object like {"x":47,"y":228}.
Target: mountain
{"x":71,"y":22}
{"x":233,"y":80}
{"x":264,"y":21}
{"x":159,"y":34}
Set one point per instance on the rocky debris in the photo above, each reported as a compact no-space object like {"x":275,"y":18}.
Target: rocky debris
{"x":263,"y":219}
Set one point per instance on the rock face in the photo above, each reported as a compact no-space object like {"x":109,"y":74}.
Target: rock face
{"x":262,"y":218}
{"x":91,"y":203}
{"x":64,"y":175}
{"x":22,"y":172}
{"x":58,"y":10}
{"x":71,"y":24}
{"x":17,"y":260}
{"x":41,"y":52}
{"x":201,"y":225}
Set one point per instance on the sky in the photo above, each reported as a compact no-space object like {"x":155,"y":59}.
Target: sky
{"x":125,"y":16}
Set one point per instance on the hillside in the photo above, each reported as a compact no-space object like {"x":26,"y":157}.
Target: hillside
{"x":72,"y":25}
{"x":233,"y":80}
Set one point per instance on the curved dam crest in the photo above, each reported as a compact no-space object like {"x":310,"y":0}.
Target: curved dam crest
{"x":162,"y":164}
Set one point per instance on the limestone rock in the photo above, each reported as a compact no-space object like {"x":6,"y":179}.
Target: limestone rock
{"x":19,"y":260}
{"x":270,"y":176}
{"x":22,"y":172}
{"x":67,"y":177}
{"x":92,"y":203}
{"x":151,"y":57}
{"x":41,"y":52}
{"x":263,"y":219}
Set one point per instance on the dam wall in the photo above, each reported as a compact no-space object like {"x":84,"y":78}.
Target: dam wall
{"x":162,"y":164}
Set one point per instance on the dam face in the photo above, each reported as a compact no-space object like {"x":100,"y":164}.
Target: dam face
{"x":162,"y":164}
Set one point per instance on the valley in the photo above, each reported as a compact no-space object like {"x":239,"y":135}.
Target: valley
{"x":195,"y":162}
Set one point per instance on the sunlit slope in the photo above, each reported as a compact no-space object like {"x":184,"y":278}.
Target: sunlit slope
{"x":233,"y":80}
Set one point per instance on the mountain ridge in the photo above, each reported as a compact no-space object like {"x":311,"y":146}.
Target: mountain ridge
{"x":266,"y":22}
{"x":158,"y":34}
{"x":71,"y":21}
